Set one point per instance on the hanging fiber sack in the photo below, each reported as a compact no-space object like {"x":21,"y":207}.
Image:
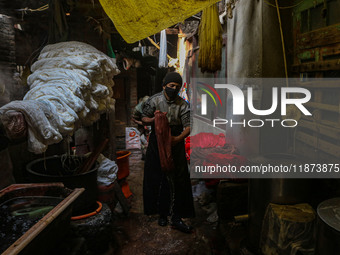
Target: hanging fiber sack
{"x":210,"y":40}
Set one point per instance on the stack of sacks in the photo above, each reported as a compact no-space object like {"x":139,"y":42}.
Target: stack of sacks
{"x":70,"y":85}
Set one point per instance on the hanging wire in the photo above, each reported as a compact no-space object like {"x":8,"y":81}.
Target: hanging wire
{"x":284,"y":7}
{"x":42,"y":8}
{"x":25,"y":10}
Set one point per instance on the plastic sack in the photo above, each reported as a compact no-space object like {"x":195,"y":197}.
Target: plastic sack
{"x":132,"y":138}
{"x":107,"y":171}
{"x":163,"y":62}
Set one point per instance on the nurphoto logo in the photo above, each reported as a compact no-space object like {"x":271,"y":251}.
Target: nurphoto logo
{"x":238,"y":104}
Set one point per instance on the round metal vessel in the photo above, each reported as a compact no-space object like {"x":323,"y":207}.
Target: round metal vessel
{"x":328,"y":227}
{"x":278,"y":191}
{"x":50,"y":169}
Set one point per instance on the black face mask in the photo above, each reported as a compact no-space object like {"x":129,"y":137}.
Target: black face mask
{"x":171,"y":93}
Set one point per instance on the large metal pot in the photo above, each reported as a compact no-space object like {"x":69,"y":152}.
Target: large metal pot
{"x":328,"y":227}
{"x":278,"y":191}
{"x":49,"y":170}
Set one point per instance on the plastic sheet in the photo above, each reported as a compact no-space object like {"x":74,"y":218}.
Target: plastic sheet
{"x":163,"y":62}
{"x":107,"y":171}
{"x":138,"y":19}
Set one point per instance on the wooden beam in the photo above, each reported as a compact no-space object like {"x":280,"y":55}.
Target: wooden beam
{"x":326,"y":107}
{"x":172,"y":31}
{"x":324,"y":36}
{"x":318,"y":143}
{"x":322,"y":84}
{"x":324,"y":122}
{"x":320,"y":128}
{"x":317,"y":66}
{"x":121,"y":198}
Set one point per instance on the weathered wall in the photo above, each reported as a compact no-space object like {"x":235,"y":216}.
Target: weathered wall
{"x":7,"y":70}
{"x":7,"y":58}
{"x":255,"y":51}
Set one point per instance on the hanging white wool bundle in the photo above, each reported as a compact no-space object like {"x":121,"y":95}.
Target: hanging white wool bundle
{"x":70,"y":85}
{"x":210,"y":40}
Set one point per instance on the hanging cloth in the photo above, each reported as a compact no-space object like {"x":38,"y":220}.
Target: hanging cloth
{"x":138,"y":19}
{"x":210,"y":40}
{"x":163,"y":134}
{"x":163,"y":61}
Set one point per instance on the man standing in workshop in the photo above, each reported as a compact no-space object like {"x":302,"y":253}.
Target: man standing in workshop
{"x":168,"y":194}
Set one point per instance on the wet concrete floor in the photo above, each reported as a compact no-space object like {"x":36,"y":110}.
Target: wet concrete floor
{"x":140,"y":234}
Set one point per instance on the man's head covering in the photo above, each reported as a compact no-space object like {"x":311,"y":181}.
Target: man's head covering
{"x":172,"y":77}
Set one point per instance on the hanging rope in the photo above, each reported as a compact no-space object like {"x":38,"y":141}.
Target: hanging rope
{"x":283,"y":43}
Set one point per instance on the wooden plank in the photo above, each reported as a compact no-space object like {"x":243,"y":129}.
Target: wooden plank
{"x":324,"y":84}
{"x":318,"y":53}
{"x":172,"y":31}
{"x":310,"y":153}
{"x":326,"y":107}
{"x":318,"y":143}
{"x":121,"y":198}
{"x":308,"y":54}
{"x":324,"y":122}
{"x":320,"y":128}
{"x":330,"y":50}
{"x":320,"y":37}
{"x":317,"y":66}
{"x":305,"y":5}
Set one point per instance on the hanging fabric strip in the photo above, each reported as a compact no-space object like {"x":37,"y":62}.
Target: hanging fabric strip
{"x":138,"y":19}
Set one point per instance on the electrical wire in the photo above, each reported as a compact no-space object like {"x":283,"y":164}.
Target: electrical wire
{"x":25,"y":10}
{"x":42,"y":8}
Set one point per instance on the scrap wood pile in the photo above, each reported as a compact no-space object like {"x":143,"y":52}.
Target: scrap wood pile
{"x":70,"y":85}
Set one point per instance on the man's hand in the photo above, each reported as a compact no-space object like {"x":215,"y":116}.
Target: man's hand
{"x":174,"y":140}
{"x":147,"y":121}
{"x":138,"y":122}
